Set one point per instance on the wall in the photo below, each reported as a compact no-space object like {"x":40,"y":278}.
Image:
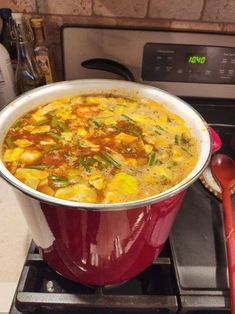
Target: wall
{"x":196,"y":15}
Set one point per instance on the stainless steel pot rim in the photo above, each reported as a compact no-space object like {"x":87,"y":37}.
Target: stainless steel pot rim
{"x":113,"y":206}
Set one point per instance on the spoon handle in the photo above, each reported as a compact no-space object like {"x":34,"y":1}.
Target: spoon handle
{"x":230,"y":243}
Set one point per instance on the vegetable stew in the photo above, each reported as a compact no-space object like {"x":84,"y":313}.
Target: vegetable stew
{"x":100,"y":149}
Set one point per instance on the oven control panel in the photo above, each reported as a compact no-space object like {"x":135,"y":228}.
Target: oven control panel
{"x":188,"y":63}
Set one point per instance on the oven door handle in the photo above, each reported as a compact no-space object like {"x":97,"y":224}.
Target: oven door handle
{"x":109,"y":66}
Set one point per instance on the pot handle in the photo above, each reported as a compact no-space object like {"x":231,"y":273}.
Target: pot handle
{"x":216,"y":140}
{"x":109,"y":66}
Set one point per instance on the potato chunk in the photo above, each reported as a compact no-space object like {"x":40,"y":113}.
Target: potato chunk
{"x":77,"y":192}
{"x":124,"y":137}
{"x":31,"y":177}
{"x":13,"y":154}
{"x":23,"y":142}
{"x":29,"y":156}
{"x":123,"y":183}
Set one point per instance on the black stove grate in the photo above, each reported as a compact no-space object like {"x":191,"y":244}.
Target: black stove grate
{"x":41,"y":290}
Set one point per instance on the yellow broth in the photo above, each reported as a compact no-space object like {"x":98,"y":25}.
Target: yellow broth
{"x":100,"y":149}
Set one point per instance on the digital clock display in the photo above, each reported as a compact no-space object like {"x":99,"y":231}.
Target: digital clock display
{"x":196,"y":59}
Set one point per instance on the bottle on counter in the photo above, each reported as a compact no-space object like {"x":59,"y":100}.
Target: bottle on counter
{"x":28,"y":73}
{"x":5,"y":37}
{"x":7,"y":89}
{"x":42,"y":51}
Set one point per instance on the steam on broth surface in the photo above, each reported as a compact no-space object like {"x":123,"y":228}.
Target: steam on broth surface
{"x":100,"y":149}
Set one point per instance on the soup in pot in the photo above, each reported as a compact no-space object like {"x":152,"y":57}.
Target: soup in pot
{"x":100,"y":149}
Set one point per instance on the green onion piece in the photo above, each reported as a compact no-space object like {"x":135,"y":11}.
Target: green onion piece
{"x":54,"y":122}
{"x":44,"y":121}
{"x":54,"y":135}
{"x":157,"y":132}
{"x":184,"y":149}
{"x":63,"y":126}
{"x":54,"y":147}
{"x":10,"y":143}
{"x":85,"y":165}
{"x":54,"y":176}
{"x":110,"y":159}
{"x":96,"y":124}
{"x":101,"y":160}
{"x":177,"y":139}
{"x":87,"y":162}
{"x":60,"y":183}
{"x":16,"y":124}
{"x":40,"y":166}
{"x":159,"y":127}
{"x":169,"y":119}
{"x":152,"y":159}
{"x":128,"y":118}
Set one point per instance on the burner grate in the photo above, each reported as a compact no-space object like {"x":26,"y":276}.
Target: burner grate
{"x":41,"y":290}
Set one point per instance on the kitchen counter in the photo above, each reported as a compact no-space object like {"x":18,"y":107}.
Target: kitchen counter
{"x":14,"y":243}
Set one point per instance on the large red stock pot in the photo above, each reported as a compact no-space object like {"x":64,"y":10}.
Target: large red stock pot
{"x":102,"y":244}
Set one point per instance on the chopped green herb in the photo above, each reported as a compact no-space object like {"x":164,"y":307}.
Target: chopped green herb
{"x":177,"y":139}
{"x":54,"y":135}
{"x":184,"y":149}
{"x":159,"y":127}
{"x":54,"y":147}
{"x":63,"y":126}
{"x":44,"y":121}
{"x":58,"y":181}
{"x":54,"y":122}
{"x":54,"y":176}
{"x":40,"y":166}
{"x":157,"y":132}
{"x":87,"y":163}
{"x":10,"y":143}
{"x":110,"y":159}
{"x":152,"y":159}
{"x":128,"y":118}
{"x":169,"y":119}
{"x":101,"y":160}
{"x":96,"y":124}
{"x":17,"y":124}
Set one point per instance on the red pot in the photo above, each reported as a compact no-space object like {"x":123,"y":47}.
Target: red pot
{"x":101,"y":244}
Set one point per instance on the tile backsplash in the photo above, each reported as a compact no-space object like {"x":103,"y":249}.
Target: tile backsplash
{"x":194,"y":15}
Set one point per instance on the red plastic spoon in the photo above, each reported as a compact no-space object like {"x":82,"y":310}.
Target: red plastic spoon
{"x":223,"y":168}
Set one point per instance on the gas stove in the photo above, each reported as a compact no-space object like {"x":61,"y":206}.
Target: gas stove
{"x":190,"y":276}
